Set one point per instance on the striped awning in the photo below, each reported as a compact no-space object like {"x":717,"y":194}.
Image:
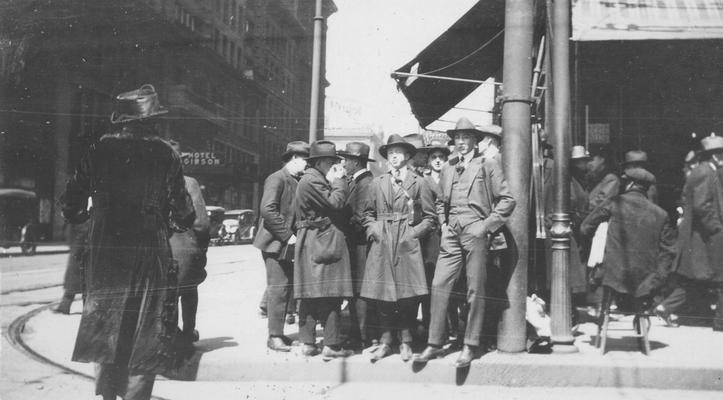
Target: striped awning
{"x":646,"y":19}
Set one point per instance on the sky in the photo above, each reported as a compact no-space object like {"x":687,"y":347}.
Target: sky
{"x":366,"y":41}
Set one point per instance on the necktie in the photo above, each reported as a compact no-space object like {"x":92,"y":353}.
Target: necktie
{"x":460,"y":165}
{"x":397,"y":177}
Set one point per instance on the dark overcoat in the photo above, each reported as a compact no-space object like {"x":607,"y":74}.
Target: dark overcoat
{"x":131,"y":292}
{"x":430,"y":242}
{"x":608,"y":187}
{"x":319,"y":217}
{"x":355,"y":233}
{"x":700,"y":234}
{"x":398,"y":215}
{"x":189,"y":247}
{"x":640,"y":244}
{"x":276,"y":224}
{"x":72,"y":281}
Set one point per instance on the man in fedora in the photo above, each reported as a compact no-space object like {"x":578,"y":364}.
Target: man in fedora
{"x":640,"y":244}
{"x":322,"y":274}
{"x":398,"y":213}
{"x":475,"y":203}
{"x":276,"y":239}
{"x":639,"y":158}
{"x":700,"y":234}
{"x":602,"y":181}
{"x":129,"y":325}
{"x":356,"y":157}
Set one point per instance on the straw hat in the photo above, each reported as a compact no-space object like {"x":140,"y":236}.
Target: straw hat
{"x":579,"y":153}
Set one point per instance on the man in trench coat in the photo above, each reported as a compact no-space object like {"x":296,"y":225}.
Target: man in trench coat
{"x":275,"y":239}
{"x":399,"y":212}
{"x":474,"y":205}
{"x":129,"y":324}
{"x":640,"y":244}
{"x":356,"y":158}
{"x":700,"y":235}
{"x":322,"y":274}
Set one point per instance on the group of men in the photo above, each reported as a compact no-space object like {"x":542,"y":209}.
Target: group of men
{"x":330,"y":232}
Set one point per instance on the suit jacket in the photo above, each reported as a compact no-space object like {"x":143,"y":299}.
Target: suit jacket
{"x":358,"y":194}
{"x":700,"y":235}
{"x":277,"y":212}
{"x":489,"y":197}
{"x":640,"y":244}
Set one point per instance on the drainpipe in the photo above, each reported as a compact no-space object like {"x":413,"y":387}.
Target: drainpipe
{"x":315,"y":73}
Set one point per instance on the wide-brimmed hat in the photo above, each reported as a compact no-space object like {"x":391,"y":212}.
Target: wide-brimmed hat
{"x":397,"y":140}
{"x":465,"y":125}
{"x":635,"y":157}
{"x":579,"y":153}
{"x":358,"y":150}
{"x":711,"y":144}
{"x":297,"y":147}
{"x":437,"y":145}
{"x":322,"y":149}
{"x":639,"y":174}
{"x":136,"y":105}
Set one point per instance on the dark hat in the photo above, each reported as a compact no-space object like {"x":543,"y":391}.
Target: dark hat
{"x":396,"y":140}
{"x":136,"y":105}
{"x":322,"y":149}
{"x":639,"y":174}
{"x":635,"y":157}
{"x":297,"y":147}
{"x":711,"y":144}
{"x":437,"y":145}
{"x":465,"y":125}
{"x":356,"y":149}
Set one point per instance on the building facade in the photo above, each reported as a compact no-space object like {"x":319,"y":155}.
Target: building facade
{"x":234,"y":74}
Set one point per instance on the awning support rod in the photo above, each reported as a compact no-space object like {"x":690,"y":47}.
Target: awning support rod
{"x":444,"y":78}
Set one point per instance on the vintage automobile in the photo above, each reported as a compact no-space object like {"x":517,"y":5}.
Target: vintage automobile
{"x":18,"y":220}
{"x":238,"y":227}
{"x":215,"y":217}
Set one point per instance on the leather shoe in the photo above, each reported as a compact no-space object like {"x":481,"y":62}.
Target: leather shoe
{"x":191,"y":336}
{"x":429,"y":353}
{"x":328,"y":353}
{"x":663,"y":314}
{"x":309,"y":350}
{"x":383,"y":350}
{"x":405,"y":351}
{"x":276,"y":343}
{"x":466,"y":356}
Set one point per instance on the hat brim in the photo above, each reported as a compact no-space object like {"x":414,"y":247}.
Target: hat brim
{"x":640,"y":174}
{"x":410,"y":147}
{"x":480,"y":134}
{"x":288,"y":154}
{"x":429,"y":149}
{"x":343,"y":154}
{"x":116,"y":118}
{"x":324,"y":156}
{"x":586,"y":158}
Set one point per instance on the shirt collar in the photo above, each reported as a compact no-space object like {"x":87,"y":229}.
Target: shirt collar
{"x":402,"y":173}
{"x":361,"y":171}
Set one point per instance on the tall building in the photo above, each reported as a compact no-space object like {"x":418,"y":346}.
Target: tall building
{"x":235,"y":75}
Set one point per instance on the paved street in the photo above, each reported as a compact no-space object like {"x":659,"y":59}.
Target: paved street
{"x":232,"y":361}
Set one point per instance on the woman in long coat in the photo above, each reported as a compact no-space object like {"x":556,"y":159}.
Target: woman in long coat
{"x":322,"y":270}
{"x":400,"y":212}
{"x":129,"y":321}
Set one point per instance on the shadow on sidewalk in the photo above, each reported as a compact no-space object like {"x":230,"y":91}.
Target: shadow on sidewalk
{"x":189,"y":369}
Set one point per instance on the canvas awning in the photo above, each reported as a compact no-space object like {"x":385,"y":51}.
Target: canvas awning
{"x":471,"y":49}
{"x":595,"y":20}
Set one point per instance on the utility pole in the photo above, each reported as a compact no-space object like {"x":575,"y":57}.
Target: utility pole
{"x":517,"y":162}
{"x":316,"y":72}
{"x":562,"y":339}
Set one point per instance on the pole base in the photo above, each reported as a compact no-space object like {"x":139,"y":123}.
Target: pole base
{"x":564,"y":348}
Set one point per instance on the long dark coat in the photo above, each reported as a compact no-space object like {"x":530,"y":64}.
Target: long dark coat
{"x":72,"y":281}
{"x":640,"y":245}
{"x":355,"y":233}
{"x":130,"y":309}
{"x":317,"y":201}
{"x":276,"y":224}
{"x":189,"y":247}
{"x":431,"y":241}
{"x":700,"y":234}
{"x":395,"y":269}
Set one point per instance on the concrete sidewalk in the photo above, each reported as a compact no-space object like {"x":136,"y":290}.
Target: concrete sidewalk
{"x":232,"y":349}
